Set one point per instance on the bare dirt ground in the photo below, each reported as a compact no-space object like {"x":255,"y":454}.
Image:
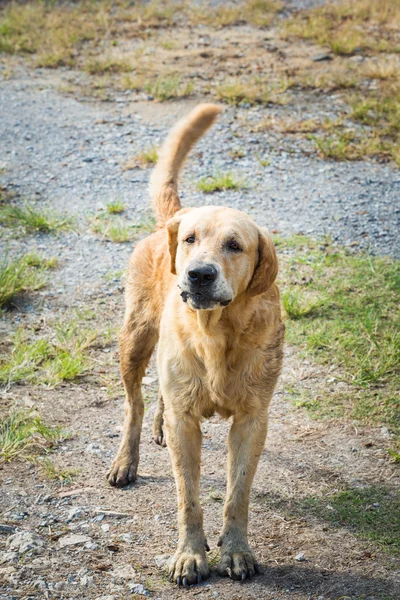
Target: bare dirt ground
{"x":66,"y":153}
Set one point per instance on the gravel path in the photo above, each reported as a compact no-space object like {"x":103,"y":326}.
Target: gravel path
{"x":68,"y":155}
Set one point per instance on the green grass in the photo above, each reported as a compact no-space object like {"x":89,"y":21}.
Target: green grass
{"x":119,"y":230}
{"x":221,"y":181}
{"x":33,"y":220}
{"x":166,"y":87}
{"x":351,"y":145}
{"x":373,"y":513}
{"x":60,"y":356}
{"x":237,"y":92}
{"x":54,"y":473}
{"x":24,"y":274}
{"x":395,"y":454}
{"x":148,"y":156}
{"x":22,"y":432}
{"x":349,"y":26}
{"x":101,"y":65}
{"x":115,"y":208}
{"x":343,"y":311}
{"x":296,"y":306}
{"x":259,"y":13}
{"x":264,"y":162}
{"x":145,"y":158}
{"x":113,"y":230}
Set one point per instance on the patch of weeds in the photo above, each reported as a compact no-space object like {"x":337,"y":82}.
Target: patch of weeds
{"x":395,"y":454}
{"x":237,"y":153}
{"x":101,"y":65}
{"x":145,"y":158}
{"x":53,"y":33}
{"x":356,"y":326}
{"x":350,"y":145}
{"x":115,"y":208}
{"x":22,"y":431}
{"x":373,"y":513}
{"x":337,"y":78}
{"x":132,"y":82}
{"x":63,"y":366}
{"x":32,"y":220}
{"x":239,"y":92}
{"x":168,"y":44}
{"x":114,"y":275}
{"x":24,"y":274}
{"x":60,"y":356}
{"x":166,"y":87}
{"x":289,"y":125}
{"x":213,"y":557}
{"x":254,"y":12}
{"x":221,"y":181}
{"x":303,"y":399}
{"x":297,"y":304}
{"x":215,"y":495}
{"x":382,"y":69}
{"x":264,"y":162}
{"x":24,"y":360}
{"x":349,"y":26}
{"x":50,"y":471}
{"x":382,"y":111}
{"x":113,"y":230}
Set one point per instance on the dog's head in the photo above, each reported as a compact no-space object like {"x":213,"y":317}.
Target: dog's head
{"x":218,"y":254}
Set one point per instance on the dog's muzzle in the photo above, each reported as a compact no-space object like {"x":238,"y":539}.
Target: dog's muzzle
{"x":200,"y":287}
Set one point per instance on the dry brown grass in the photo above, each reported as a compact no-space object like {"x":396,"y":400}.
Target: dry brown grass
{"x":334,"y":77}
{"x":146,"y":158}
{"x":290,"y":125}
{"x":255,"y":12}
{"x":382,"y":68}
{"x":61,"y":33}
{"x":255,"y":91}
{"x":350,"y":25}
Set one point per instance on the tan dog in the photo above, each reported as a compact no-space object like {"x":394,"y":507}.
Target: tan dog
{"x":203,"y":286}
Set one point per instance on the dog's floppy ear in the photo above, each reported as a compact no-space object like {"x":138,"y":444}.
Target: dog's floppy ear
{"x":172,"y":229}
{"x":267,"y":267}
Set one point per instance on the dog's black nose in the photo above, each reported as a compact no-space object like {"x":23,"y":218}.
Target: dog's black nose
{"x":202,"y":275}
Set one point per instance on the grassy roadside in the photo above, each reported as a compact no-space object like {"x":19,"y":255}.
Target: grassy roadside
{"x":60,"y":34}
{"x":61,"y":354}
{"x":125,"y":47}
{"x":368,"y":31}
{"x":27,"y":273}
{"x":343,"y":311}
{"x":23,"y":434}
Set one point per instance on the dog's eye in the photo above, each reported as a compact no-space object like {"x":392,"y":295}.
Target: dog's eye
{"x":234,"y":246}
{"x":190,"y":239}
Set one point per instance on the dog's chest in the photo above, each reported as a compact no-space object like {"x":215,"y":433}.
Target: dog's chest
{"x":231,"y":376}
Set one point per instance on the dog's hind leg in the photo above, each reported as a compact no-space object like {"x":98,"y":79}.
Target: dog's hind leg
{"x":137,"y":340}
{"x":158,"y":423}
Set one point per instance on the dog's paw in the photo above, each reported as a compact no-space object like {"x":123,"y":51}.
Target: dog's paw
{"x":187,"y":568}
{"x":237,"y":565}
{"x":121,"y":474}
{"x":158,"y":430}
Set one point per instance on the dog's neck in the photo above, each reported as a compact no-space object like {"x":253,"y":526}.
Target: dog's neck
{"x":207,"y":320}
{"x":234,"y":319}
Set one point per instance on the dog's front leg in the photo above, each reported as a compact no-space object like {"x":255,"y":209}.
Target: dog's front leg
{"x":245,"y":444}
{"x":189,"y":564}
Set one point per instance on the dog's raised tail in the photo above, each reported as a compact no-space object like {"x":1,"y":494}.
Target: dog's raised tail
{"x":180,"y":140}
